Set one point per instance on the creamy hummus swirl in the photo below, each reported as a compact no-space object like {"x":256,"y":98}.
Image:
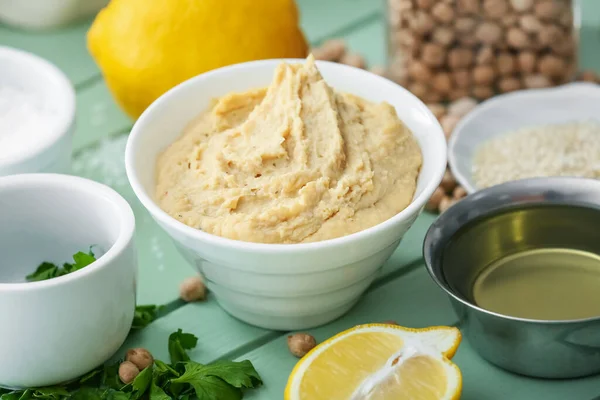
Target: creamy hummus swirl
{"x":295,"y":162}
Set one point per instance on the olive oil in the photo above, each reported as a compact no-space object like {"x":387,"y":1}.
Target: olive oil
{"x":542,"y":284}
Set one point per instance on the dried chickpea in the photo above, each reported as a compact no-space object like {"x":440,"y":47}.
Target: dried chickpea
{"x":459,"y":192}
{"x":192,"y":289}
{"x":448,"y":123}
{"x":331,"y":50}
{"x":442,"y":83}
{"x":566,"y":19}
{"x":517,"y":38}
{"x":378,"y":70}
{"x":141,"y":357}
{"x":521,"y":5}
{"x":509,"y":84}
{"x":485,"y":55}
{"x":354,"y":60}
{"x":530,"y":24}
{"x":446,"y":203}
{"x":432,"y":97}
{"x":425,"y":4}
{"x":434,"y":201}
{"x":448,"y":182}
{"x":422,"y":23}
{"x":419,"y":71}
{"x":549,"y":34}
{"x":484,"y":74}
{"x":488,"y":33}
{"x":469,"y":6}
{"x":460,"y":58}
{"x":495,"y":9}
{"x":461,"y":78}
{"x":443,"y":35}
{"x":300,"y":344}
{"x":458,"y":93}
{"x":443,"y":12}
{"x":418,"y":89}
{"x":433,"y":54}
{"x":510,"y":20}
{"x":536,"y":81}
{"x":483,"y":92}
{"x":438,"y":110}
{"x":547,"y":9}
{"x":505,"y":63}
{"x":468,"y":41}
{"x":128,"y":371}
{"x":462,"y":106}
{"x":589,"y":76}
{"x":464,"y":25}
{"x":564,"y":47}
{"x":552,"y":66}
{"x":526,"y":61}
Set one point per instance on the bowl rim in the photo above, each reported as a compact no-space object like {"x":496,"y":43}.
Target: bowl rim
{"x":413,"y":208}
{"x":455,"y":137}
{"x":38,"y":182}
{"x":61,"y":123}
{"x":497,"y":192}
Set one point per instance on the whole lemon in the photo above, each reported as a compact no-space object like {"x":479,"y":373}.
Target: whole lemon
{"x":144,"y":47}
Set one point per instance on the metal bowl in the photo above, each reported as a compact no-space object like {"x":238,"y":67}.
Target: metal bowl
{"x":556,"y":212}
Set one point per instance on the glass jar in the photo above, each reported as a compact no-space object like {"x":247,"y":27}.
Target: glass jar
{"x":442,"y":50}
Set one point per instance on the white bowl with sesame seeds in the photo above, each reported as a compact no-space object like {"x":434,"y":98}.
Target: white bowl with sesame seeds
{"x":526,"y":134}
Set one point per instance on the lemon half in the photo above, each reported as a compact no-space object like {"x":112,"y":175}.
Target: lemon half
{"x":380,"y":362}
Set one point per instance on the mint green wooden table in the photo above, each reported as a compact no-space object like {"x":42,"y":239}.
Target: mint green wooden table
{"x":403,"y":293}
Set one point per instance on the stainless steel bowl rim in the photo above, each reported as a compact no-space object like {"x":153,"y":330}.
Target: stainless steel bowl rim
{"x":568,"y":191}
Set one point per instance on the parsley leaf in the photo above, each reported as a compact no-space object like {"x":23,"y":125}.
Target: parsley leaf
{"x":222,"y":378}
{"x":213,"y":388}
{"x":144,"y":315}
{"x":48,"y":270}
{"x":181,"y":380}
{"x":44,"y":271}
{"x":179,"y":342}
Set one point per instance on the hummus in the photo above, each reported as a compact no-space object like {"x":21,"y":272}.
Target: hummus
{"x":295,"y":162}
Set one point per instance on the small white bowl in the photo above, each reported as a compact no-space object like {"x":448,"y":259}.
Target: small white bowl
{"x":50,"y":150}
{"x":58,"y":329}
{"x":512,"y":111}
{"x":45,"y":14}
{"x":282,"y":286}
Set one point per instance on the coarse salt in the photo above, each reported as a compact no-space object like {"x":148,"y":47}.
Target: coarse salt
{"x":567,"y":149}
{"x":23,"y":120}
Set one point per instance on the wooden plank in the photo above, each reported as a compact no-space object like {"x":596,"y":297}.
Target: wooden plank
{"x":370,"y":41}
{"x":482,"y":380}
{"x":218,"y":333}
{"x":322,"y":19}
{"x":412,"y":301}
{"x":66,"y":48}
{"x":98,"y":116}
{"x":161,"y":267}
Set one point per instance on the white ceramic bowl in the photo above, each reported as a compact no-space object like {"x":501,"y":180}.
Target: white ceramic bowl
{"x":511,"y":111}
{"x":282,"y":286}
{"x":44,"y":14}
{"x":58,"y":329}
{"x":50,"y":149}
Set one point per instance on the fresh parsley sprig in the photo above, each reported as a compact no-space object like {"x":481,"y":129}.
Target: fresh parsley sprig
{"x":182,"y":379}
{"x":48,"y":270}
